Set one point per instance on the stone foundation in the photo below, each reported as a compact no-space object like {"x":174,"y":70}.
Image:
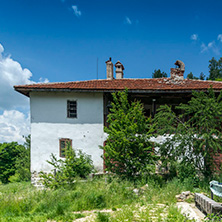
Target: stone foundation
{"x":36,"y":180}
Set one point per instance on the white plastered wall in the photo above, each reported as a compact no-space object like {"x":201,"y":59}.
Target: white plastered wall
{"x":49,"y":123}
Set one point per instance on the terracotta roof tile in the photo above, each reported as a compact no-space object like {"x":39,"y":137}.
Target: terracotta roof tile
{"x":162,"y":84}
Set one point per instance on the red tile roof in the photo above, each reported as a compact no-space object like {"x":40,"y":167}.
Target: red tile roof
{"x":158,"y":84}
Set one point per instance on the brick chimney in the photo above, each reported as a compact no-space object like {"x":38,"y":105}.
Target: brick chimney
{"x":109,"y":69}
{"x":119,"y":70}
{"x":177,"y":73}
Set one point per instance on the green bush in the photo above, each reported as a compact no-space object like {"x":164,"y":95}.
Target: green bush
{"x":22,"y":163}
{"x":102,"y":217}
{"x":8,"y":156}
{"x":15,"y":161}
{"x":186,"y":170}
{"x":68,"y":170}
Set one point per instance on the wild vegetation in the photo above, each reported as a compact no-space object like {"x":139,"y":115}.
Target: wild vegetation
{"x":66,"y":171}
{"x":15,"y":161}
{"x":22,"y":202}
{"x":193,"y":138}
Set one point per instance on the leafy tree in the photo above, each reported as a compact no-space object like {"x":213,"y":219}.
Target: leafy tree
{"x":128,"y":151}
{"x":67,"y":170}
{"x":191,"y":76}
{"x":8,"y":156}
{"x":195,"y":136}
{"x":158,"y":74}
{"x":215,"y":69}
{"x":22,"y":163}
{"x":202,"y":76}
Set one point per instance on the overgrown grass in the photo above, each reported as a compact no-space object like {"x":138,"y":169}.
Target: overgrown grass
{"x":22,"y":202}
{"x":150,"y":213}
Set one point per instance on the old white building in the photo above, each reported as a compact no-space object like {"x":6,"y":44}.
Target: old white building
{"x":77,"y":111}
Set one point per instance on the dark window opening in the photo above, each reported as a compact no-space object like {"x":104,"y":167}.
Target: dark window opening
{"x":71,"y":109}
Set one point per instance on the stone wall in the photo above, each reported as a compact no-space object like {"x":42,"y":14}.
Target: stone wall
{"x":36,"y":180}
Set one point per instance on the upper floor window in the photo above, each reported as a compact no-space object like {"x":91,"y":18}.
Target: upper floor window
{"x":71,"y":109}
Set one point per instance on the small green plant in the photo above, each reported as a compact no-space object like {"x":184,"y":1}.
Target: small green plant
{"x":66,"y":171}
{"x":213,"y":217}
{"x":102,"y":217}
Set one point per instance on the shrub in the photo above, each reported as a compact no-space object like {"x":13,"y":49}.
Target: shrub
{"x":22,"y":163}
{"x":8,"y":156}
{"x":67,"y":170}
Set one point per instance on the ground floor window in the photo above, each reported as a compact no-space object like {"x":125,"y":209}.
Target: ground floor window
{"x":63,"y":143}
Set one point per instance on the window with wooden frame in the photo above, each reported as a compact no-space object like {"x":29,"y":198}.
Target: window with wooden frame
{"x":63,"y":143}
{"x":71,"y":109}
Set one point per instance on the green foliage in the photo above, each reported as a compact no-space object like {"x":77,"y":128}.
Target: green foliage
{"x":158,"y":74}
{"x":175,"y":215}
{"x":128,"y":151}
{"x":202,"y":76}
{"x":21,"y":202}
{"x":15,"y":161}
{"x":22,"y":163}
{"x":67,"y":170}
{"x":195,"y":136}
{"x":103,"y":217}
{"x":191,"y":76}
{"x":213,"y":217}
{"x":215,"y":69}
{"x":188,"y":173}
{"x":8,"y":156}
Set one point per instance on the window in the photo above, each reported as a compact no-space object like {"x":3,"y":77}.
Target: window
{"x":63,"y":143}
{"x":71,"y":109}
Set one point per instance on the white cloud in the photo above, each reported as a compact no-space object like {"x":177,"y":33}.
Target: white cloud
{"x":13,"y":123}
{"x":219,"y":37}
{"x":76,"y":11}
{"x":128,"y":21}
{"x":210,"y":46}
{"x":13,"y":126}
{"x":203,"y":47}
{"x":194,"y":37}
{"x":1,"y":49}
{"x":12,"y":73}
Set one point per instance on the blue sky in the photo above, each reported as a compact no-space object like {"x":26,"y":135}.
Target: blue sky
{"x":48,"y":38}
{"x":60,"y":40}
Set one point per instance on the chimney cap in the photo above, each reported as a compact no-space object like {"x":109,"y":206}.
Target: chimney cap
{"x":180,"y":64}
{"x":119,"y":64}
{"x":110,"y":60}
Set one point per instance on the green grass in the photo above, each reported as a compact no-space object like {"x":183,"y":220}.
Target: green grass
{"x":22,"y":202}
